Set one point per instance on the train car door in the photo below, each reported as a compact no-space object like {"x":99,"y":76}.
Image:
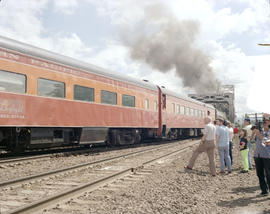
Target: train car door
{"x":161,"y":109}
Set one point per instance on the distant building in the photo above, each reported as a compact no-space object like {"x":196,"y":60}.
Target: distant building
{"x":223,"y":100}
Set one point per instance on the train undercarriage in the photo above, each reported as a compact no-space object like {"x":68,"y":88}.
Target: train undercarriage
{"x":19,"y":139}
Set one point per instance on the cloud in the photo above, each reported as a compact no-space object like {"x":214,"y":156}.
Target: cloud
{"x":121,"y":11}
{"x":220,"y":22}
{"x":67,"y":7}
{"x":71,"y":45}
{"x":232,"y":66}
{"x":23,"y":22}
{"x":258,"y":91}
{"x":20,"y":20}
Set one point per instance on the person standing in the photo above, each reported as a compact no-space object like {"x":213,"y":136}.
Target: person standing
{"x":222,"y":139}
{"x":262,"y":157}
{"x":247,"y":126}
{"x":244,"y":150}
{"x":207,"y":145}
{"x":230,"y":140}
{"x":235,"y":132}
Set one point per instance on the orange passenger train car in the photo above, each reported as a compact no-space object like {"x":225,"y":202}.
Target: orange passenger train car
{"x":47,"y":100}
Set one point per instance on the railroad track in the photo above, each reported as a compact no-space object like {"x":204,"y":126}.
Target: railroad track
{"x":71,"y":151}
{"x":15,"y":160}
{"x":33,"y":193}
{"x":39,"y":155}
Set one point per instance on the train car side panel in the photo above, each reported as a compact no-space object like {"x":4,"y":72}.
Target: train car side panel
{"x":24,"y":110}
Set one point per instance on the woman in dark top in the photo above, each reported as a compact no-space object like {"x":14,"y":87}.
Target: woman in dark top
{"x":244,"y":149}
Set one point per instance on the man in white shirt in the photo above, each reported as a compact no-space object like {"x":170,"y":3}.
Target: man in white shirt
{"x":207,"y":145}
{"x":249,"y":133}
{"x":230,"y":140}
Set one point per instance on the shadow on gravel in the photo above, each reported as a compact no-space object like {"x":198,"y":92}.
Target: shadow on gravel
{"x":245,"y":189}
{"x":194,"y":171}
{"x":242,"y":202}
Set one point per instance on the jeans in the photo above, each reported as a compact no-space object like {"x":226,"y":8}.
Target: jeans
{"x":263,"y":172}
{"x":249,"y":145}
{"x":230,"y":153}
{"x":224,"y":155}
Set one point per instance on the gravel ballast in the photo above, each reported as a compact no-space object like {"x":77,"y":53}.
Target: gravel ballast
{"x":167,"y":187}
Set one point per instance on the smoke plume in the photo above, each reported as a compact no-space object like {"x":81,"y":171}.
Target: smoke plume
{"x":165,"y":43}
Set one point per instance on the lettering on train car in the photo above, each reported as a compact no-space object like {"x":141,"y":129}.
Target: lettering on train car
{"x":10,"y":108}
{"x":8,"y":55}
{"x":52,"y":66}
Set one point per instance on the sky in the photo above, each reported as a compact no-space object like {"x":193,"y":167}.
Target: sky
{"x":92,"y":31}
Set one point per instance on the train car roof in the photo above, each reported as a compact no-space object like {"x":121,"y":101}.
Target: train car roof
{"x":43,"y":54}
{"x":177,"y":95}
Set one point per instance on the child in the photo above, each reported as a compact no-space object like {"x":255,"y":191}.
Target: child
{"x":244,"y":149}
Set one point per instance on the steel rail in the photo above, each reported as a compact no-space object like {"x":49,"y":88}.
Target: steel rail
{"x":37,"y":156}
{"x":60,"y":197}
{"x":53,"y":172}
{"x":14,"y":160}
{"x":78,"y":150}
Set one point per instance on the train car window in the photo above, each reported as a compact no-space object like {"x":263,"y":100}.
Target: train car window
{"x":108,"y":97}
{"x":182,"y":110}
{"x":196,"y":113}
{"x":178,"y":109}
{"x":191,"y":112}
{"x":173,"y":107}
{"x":12,"y":82}
{"x":51,"y":88}
{"x":155,"y":106}
{"x":84,"y":93}
{"x":146,"y":104}
{"x":187,"y":110}
{"x":128,"y":100}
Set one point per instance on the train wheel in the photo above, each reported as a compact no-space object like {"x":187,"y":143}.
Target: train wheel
{"x":128,"y":137}
{"x":124,"y":137}
{"x":22,"y":139}
{"x":172,"y":135}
